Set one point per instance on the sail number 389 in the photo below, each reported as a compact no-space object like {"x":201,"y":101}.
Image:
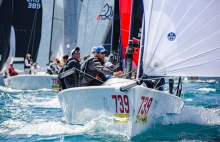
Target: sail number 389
{"x":121,"y":103}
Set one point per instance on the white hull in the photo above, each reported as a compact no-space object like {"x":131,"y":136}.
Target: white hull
{"x":2,"y":80}
{"x":130,"y":112}
{"x":31,"y":82}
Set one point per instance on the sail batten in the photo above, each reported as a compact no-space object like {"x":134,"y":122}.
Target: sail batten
{"x":181,"y":38}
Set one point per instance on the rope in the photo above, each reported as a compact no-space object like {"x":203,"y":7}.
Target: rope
{"x":34,"y":37}
{"x":157,"y":83}
{"x":34,"y":21}
{"x":87,"y":74}
{"x":67,"y":72}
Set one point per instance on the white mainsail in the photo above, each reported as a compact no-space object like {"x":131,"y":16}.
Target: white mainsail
{"x":182,"y":38}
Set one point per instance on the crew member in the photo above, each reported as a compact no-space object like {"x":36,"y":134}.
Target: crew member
{"x":27,"y":64}
{"x":95,"y":70}
{"x":35,"y":69}
{"x":11,"y":70}
{"x":74,"y":62}
{"x":53,"y":67}
{"x":61,"y":82}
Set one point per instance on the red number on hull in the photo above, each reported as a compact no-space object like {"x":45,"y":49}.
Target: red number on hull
{"x":145,"y":105}
{"x":54,"y":80}
{"x":123,"y":103}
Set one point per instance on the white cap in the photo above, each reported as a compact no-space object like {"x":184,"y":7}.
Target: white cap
{"x":93,"y":49}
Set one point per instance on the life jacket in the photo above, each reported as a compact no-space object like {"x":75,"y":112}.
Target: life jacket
{"x":84,"y":64}
{"x":29,"y":62}
{"x":65,"y":66}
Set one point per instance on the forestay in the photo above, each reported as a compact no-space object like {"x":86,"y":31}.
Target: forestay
{"x":182,"y":38}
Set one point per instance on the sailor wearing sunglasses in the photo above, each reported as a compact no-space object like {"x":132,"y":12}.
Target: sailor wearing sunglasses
{"x":95,"y":70}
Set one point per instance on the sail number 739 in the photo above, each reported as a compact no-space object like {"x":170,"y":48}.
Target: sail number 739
{"x":121,"y":103}
{"x":145,"y":105}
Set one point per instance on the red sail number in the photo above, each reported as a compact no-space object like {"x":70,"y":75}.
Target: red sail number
{"x":145,"y":105}
{"x":122,"y":102}
{"x":54,"y":80}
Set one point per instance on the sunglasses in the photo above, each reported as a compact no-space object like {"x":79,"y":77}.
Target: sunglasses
{"x":102,"y":52}
{"x":77,"y":52}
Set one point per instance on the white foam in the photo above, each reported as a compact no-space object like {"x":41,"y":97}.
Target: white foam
{"x":38,"y":101}
{"x":195,"y":115}
{"x":50,"y":128}
{"x":52,"y":103}
{"x":207,"y":90}
{"x":210,"y":80}
{"x":186,"y":80}
{"x":40,"y":127}
{"x":6,"y":89}
{"x":7,"y":125}
{"x":188,"y":100}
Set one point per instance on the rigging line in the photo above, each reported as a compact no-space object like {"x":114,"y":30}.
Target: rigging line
{"x":85,"y":26}
{"x":97,"y":23}
{"x":31,"y":32}
{"x":155,"y":86}
{"x":34,"y":59}
{"x":88,"y":75}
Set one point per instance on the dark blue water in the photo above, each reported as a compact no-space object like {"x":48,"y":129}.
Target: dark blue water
{"x":37,"y":116}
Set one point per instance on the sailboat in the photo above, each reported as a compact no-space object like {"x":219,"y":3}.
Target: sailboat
{"x":48,"y":49}
{"x":128,"y":105}
{"x":7,"y":39}
{"x":180,"y":38}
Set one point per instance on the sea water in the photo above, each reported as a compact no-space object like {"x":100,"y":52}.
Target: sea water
{"x":36,"y":116}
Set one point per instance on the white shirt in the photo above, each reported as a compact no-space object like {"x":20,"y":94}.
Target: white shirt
{"x":26,"y":62}
{"x":53,"y":66}
{"x":35,"y":70}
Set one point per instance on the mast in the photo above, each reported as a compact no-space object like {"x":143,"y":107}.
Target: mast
{"x":140,"y":64}
{"x":51,"y":31}
{"x":114,"y":53}
{"x":129,"y":49}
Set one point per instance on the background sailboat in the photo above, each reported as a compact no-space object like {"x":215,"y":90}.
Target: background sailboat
{"x":51,"y":47}
{"x":95,"y":25}
{"x":27,"y":29}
